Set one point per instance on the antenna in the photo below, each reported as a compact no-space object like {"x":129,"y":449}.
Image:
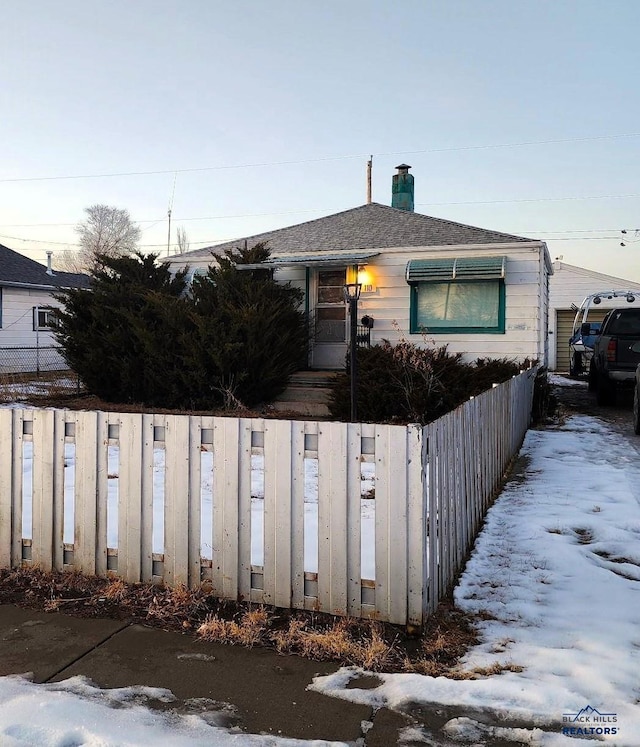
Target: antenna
{"x":175,"y":177}
{"x":369,"y":169}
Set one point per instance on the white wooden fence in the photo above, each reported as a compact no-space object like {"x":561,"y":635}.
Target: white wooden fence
{"x":433,"y":485}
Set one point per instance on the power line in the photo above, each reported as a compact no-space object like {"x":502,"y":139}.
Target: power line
{"x":265,"y":164}
{"x":236,"y":216}
{"x":535,"y":199}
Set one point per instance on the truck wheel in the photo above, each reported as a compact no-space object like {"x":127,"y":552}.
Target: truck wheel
{"x":636,"y":412}
{"x":592,"y":378}
{"x":605,"y":391}
{"x":575,"y":364}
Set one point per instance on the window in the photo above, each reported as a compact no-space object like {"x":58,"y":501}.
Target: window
{"x":331,"y":313}
{"x":43,"y":318}
{"x":457,"y":296}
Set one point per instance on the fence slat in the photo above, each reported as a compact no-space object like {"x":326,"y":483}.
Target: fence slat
{"x":85,"y":494}
{"x":130,"y":498}
{"x":7,"y":528}
{"x":244,"y":509}
{"x":195,"y":501}
{"x":354,"y":519}
{"x":176,"y":500}
{"x":16,"y":486}
{"x":416,"y":527}
{"x":332,"y":518}
{"x":59,"y":462}
{"x":298,"y":478}
{"x":146,"y":498}
{"x":277,"y":513}
{"x":102,"y":491}
{"x":226,"y":473}
{"x":42,"y":496}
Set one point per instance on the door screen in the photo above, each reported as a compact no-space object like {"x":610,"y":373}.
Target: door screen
{"x":331,"y":310}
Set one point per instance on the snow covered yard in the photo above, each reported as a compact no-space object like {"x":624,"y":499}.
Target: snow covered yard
{"x":555,"y":576}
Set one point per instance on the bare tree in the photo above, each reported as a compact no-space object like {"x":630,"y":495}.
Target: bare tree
{"x":70,"y":260}
{"x":183,"y":240}
{"x":105,"y":230}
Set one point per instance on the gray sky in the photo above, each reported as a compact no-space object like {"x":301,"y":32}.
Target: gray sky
{"x":268,"y":111}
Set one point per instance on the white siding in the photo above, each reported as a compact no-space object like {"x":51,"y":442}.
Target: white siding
{"x":526,"y":305}
{"x":570,"y":285}
{"x":389,"y":304}
{"x":17,"y":317}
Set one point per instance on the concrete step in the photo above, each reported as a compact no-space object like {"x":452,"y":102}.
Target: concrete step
{"x":306,"y":408}
{"x":312,"y":379}
{"x":305,"y":394}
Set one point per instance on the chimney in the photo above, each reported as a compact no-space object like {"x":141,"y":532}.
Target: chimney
{"x":49,"y":270}
{"x":402,"y":189}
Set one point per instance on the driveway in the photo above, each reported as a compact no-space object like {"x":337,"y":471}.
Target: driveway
{"x":574,"y":398}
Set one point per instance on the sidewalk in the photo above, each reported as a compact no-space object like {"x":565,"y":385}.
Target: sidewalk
{"x":254,"y":689}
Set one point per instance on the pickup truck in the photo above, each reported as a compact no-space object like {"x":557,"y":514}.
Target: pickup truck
{"x":616,"y":354}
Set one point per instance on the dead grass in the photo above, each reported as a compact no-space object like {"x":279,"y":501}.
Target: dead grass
{"x":346,"y":640}
{"x":369,"y":644}
{"x":249,"y":631}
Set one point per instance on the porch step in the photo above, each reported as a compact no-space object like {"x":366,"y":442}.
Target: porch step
{"x":312,"y":379}
{"x":308,"y":394}
{"x":306,"y":408}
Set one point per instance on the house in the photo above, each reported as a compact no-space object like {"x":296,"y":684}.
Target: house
{"x":26,"y":297}
{"x":568,"y":287}
{"x":482,"y":292}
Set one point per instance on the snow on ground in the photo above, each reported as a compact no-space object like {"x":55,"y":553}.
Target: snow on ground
{"x":559,"y":380}
{"x":74,"y":713}
{"x":556,"y":574}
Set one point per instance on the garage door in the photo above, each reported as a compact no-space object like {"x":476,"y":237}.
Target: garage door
{"x":564,"y":328}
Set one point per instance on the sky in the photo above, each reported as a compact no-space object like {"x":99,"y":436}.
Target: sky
{"x":553,"y":576}
{"x":248,"y":116}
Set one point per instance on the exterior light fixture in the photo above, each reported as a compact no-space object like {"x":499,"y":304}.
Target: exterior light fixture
{"x":597,"y":300}
{"x":351,"y":293}
{"x":630,"y":298}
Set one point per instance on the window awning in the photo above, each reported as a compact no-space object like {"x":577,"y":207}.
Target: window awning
{"x":313,"y":259}
{"x":460,"y":268}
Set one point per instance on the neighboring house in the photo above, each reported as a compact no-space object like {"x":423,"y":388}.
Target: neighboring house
{"x":26,"y":297}
{"x":568,"y":287}
{"x":482,"y":292}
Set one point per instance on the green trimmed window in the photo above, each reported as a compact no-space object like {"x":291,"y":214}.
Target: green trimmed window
{"x":457,"y":296}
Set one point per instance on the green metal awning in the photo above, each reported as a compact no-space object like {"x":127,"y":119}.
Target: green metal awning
{"x":313,"y":259}
{"x":460,"y":268}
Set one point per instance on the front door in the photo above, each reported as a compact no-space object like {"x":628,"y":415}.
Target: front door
{"x":329,"y":347}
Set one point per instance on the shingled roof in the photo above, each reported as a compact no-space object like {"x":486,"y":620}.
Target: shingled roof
{"x":371,"y":226}
{"x":16,"y":269}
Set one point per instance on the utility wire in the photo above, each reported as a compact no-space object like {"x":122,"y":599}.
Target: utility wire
{"x":322,"y":159}
{"x":155,"y":221}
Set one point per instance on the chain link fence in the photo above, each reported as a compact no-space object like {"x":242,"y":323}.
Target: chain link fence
{"x":34,"y":373}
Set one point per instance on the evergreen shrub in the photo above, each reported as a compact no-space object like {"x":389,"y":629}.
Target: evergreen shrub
{"x":404,"y":383}
{"x":140,"y":335}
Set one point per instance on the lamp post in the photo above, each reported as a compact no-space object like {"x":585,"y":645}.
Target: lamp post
{"x":351,"y":295}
